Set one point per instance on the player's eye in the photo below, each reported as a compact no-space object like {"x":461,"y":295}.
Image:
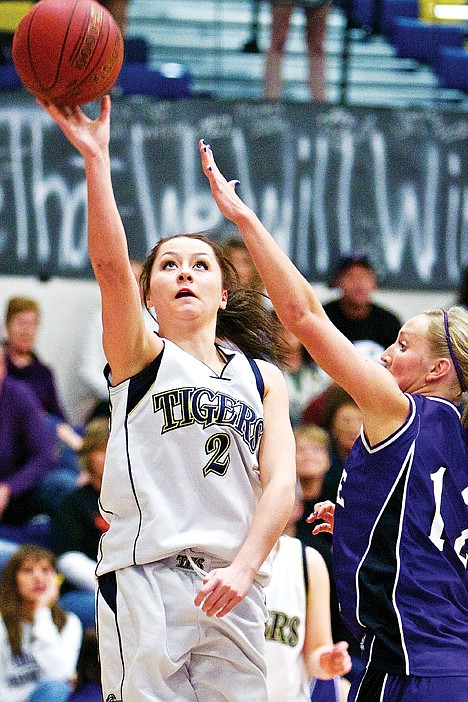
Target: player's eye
{"x":201,"y":264}
{"x":168,"y":264}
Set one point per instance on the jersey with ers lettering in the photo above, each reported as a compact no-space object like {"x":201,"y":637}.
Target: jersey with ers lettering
{"x":400,"y":543}
{"x":181,"y":465}
{"x":286,"y":600}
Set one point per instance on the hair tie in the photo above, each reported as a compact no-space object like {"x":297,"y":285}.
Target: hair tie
{"x":452,"y":354}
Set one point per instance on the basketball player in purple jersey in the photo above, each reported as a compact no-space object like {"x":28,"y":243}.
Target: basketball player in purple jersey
{"x":401,"y":520}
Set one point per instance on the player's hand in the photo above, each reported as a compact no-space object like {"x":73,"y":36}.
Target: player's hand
{"x":224,"y":192}
{"x":4,"y":497}
{"x":336,"y":661}
{"x":223,"y":589}
{"x":90,"y":137}
{"x":51,"y":593}
{"x":326,"y":512}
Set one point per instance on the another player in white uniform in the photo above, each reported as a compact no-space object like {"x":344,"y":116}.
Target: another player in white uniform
{"x":199,"y":477}
{"x":298,"y":630}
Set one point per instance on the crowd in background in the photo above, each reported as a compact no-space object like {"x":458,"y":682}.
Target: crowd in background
{"x":51,"y":469}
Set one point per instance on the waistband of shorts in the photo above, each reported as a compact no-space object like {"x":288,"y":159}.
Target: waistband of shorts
{"x":195,"y":561}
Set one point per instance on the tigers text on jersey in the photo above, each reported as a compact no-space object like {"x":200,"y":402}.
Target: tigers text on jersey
{"x":400,"y":543}
{"x":182,"y":460}
{"x":286,"y":600}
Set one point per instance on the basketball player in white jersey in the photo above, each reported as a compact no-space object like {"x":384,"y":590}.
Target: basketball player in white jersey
{"x":298,"y":631}
{"x":199,"y":475}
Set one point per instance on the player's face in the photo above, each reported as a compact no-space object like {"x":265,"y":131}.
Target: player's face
{"x":410,"y":359}
{"x":186,"y":282}
{"x":33,"y":578}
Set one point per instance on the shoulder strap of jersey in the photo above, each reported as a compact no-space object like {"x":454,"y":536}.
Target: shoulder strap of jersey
{"x":258,"y":377}
{"x":305,"y":569}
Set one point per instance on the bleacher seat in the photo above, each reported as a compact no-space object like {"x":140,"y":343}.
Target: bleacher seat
{"x":170,"y":81}
{"x":136,"y":50}
{"x":419,"y":40}
{"x":451,"y":67}
{"x":9,"y":79}
{"x":392,"y":9}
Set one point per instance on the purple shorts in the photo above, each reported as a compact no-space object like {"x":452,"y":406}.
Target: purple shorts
{"x":377,"y":686}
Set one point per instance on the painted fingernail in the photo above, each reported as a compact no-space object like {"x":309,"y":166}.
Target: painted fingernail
{"x":236,"y":183}
{"x":203,"y":141}
{"x":209,"y":168}
{"x":204,"y":149}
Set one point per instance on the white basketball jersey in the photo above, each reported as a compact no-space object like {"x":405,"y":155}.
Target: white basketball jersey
{"x":286,"y":600}
{"x":182,"y":460}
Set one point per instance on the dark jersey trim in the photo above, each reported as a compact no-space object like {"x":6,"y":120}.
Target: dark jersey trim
{"x":258,"y":377}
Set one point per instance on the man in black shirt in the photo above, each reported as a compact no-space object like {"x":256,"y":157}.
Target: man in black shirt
{"x":354,"y":313}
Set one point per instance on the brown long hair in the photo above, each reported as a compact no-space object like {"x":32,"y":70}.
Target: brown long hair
{"x":10,"y":599}
{"x":245,"y":322}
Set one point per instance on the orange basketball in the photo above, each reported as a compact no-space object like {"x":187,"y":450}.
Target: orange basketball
{"x":68,"y":52}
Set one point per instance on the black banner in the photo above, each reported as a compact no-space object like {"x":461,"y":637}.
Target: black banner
{"x":325,"y":180}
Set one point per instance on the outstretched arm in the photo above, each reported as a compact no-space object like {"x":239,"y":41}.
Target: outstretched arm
{"x":127,"y":344}
{"x":373,"y":388}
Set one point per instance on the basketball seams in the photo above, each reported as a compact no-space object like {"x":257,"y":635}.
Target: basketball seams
{"x":72,"y":90}
{"x":69,"y":54}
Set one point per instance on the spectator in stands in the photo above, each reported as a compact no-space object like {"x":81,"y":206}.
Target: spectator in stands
{"x":298,"y":632}
{"x":78,"y":526}
{"x":237,"y":253}
{"x":304,"y":379}
{"x":119,"y":10}
{"x":462,"y":298}
{"x":343,"y":420}
{"x":22,"y":325}
{"x":92,"y":361}
{"x":88,"y":671}
{"x":316,"y":12}
{"x":354,"y":313}
{"x":39,"y":642}
{"x":26,"y":451}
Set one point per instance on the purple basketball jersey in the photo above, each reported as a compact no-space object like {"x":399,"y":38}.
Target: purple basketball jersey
{"x":400,"y":543}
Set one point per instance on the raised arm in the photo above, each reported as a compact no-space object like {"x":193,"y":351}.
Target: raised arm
{"x":226,"y":587}
{"x":128,"y":345}
{"x":373,"y":388}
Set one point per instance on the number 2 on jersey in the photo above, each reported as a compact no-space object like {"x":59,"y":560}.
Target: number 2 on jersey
{"x":218,"y":445}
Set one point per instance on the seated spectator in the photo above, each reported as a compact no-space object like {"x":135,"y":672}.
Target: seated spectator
{"x":462,"y":297}
{"x":92,"y":361}
{"x":39,"y":642}
{"x":298,"y":634}
{"x":22,"y":325}
{"x":239,"y":256}
{"x":119,"y":10}
{"x":78,"y":526}
{"x":354,"y":313}
{"x":27,"y":456}
{"x":343,"y":420}
{"x":304,"y":379}
{"x":88,"y":671}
